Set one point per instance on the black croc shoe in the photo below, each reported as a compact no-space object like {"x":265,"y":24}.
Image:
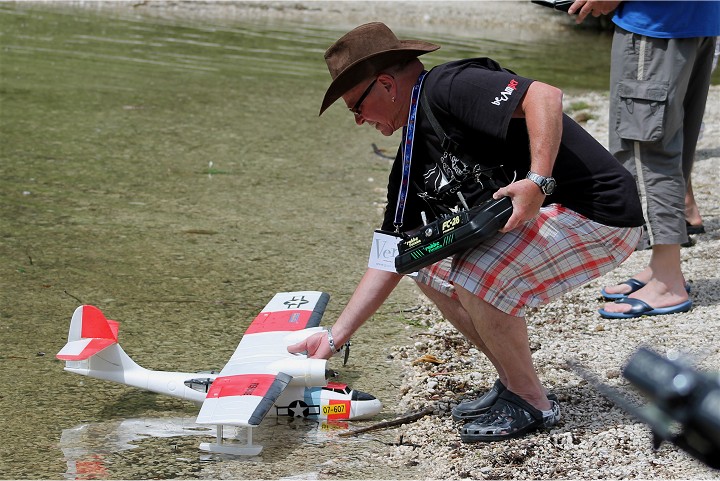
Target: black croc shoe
{"x":469,"y":410}
{"x":510,"y":417}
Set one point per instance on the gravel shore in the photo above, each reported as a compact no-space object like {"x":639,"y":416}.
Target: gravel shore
{"x":595,"y":439}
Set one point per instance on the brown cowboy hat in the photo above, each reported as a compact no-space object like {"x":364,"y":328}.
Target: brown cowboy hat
{"x":363,"y":52}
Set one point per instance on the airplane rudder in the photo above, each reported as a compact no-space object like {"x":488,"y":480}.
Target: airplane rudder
{"x":95,"y":325}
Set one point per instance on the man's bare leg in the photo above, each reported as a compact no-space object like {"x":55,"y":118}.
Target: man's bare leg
{"x":692,"y":213}
{"x":456,"y":314}
{"x":506,"y":338}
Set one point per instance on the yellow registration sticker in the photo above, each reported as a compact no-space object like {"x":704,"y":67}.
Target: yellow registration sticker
{"x":334,"y":409}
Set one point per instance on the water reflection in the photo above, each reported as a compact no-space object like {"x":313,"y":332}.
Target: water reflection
{"x":87,"y":447}
{"x":167,"y":447}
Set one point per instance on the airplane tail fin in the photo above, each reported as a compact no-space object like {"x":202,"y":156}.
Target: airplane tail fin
{"x":93,"y":350}
{"x":90,"y":333}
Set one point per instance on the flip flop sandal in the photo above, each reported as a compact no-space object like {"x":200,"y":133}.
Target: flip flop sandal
{"x":690,"y":242}
{"x":510,"y":417}
{"x":641,"y":308}
{"x":694,"y":229}
{"x":635,"y":285}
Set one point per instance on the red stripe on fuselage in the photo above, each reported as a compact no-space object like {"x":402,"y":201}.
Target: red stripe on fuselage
{"x":241,"y":385}
{"x":292,"y":320}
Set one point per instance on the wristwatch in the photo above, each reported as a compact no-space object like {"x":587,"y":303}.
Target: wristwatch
{"x":546,"y":184}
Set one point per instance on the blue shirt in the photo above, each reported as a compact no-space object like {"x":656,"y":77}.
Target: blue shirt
{"x":677,"y":19}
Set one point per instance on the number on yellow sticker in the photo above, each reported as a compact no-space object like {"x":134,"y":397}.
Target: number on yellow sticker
{"x":334,"y":409}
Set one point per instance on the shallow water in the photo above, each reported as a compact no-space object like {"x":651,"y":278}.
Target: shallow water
{"x":176,"y":175}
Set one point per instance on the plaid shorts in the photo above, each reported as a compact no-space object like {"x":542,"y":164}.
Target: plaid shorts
{"x":535,"y":263}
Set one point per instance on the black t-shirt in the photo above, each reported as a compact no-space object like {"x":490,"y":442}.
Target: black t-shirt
{"x":473,"y":101}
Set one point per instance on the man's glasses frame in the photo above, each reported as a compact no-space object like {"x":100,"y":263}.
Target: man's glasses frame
{"x":356,"y":108}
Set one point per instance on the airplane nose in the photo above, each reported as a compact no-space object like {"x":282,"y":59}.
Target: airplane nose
{"x":365,"y":406}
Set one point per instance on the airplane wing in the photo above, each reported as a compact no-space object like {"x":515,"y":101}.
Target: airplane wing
{"x":290,"y":311}
{"x":261,"y":368}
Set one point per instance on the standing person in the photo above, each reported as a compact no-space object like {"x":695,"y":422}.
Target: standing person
{"x":555,"y":240}
{"x":659,"y":78}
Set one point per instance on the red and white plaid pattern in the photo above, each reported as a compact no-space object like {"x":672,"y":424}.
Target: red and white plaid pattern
{"x":533,"y":264}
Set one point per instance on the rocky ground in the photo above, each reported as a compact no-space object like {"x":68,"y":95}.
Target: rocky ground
{"x":595,"y":439}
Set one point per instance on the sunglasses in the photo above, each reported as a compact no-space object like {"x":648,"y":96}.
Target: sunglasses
{"x":356,"y":108}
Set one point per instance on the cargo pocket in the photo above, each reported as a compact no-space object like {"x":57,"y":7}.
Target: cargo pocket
{"x":641,"y":110}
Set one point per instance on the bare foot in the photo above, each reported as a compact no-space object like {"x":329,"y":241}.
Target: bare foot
{"x":623,"y":288}
{"x":655,"y":294}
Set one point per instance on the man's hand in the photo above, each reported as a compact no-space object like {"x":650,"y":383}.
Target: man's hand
{"x":595,"y":7}
{"x":374,"y":287}
{"x":527,"y":198}
{"x":316,"y":346}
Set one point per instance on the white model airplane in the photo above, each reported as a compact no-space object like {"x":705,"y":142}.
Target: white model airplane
{"x":260,"y":379}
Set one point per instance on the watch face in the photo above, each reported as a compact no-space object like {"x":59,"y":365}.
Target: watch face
{"x":549,"y":186}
